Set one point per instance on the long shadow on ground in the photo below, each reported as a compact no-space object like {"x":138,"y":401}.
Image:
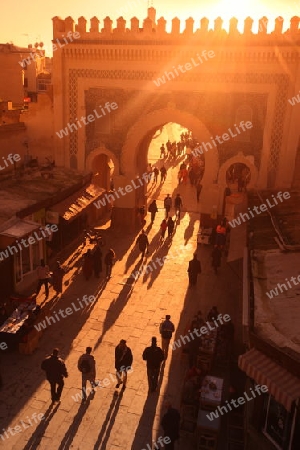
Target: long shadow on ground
{"x":109,"y":421}
{"x":147,"y":417}
{"x":37,"y":436}
{"x":66,"y":443}
{"x":117,"y":305}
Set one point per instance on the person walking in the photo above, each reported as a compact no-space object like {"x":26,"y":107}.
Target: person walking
{"x":170,"y":225}
{"x":153,"y":210}
{"x":171,"y":425}
{"x":109,"y":262}
{"x":154,"y":356}
{"x":194,"y":270}
{"x":216,"y":258}
{"x":143,"y":243}
{"x":179,"y":176}
{"x":166,"y":330}
{"x":97,"y":261}
{"x":149,"y":172}
{"x":163,"y":174}
{"x":87,"y":267}
{"x":43,"y":273}
{"x":155,"y":174}
{"x":198,"y":190}
{"x":178,"y":205}
{"x":57,"y":278}
{"x":123,"y":362}
{"x":87,"y":366}
{"x":56,"y":371}
{"x":220,"y":235}
{"x":162,"y":151}
{"x":142,"y":215}
{"x":163,"y":227}
{"x":167,"y":204}
{"x":212,"y":314}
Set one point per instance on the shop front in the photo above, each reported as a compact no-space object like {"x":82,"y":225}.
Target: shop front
{"x":76,"y":213}
{"x":273,"y":420}
{"x":23,"y":242}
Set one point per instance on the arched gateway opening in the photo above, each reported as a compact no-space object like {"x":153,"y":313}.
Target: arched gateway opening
{"x":104,"y":166}
{"x":135,"y":154}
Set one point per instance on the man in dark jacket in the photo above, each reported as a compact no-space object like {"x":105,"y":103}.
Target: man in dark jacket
{"x":171,"y":226}
{"x":123,"y":362}
{"x":154,"y":357}
{"x":163,"y":174}
{"x":153,"y":210}
{"x":178,"y":205}
{"x":171,"y":425}
{"x":87,"y":366}
{"x":194,"y":270}
{"x":143,"y":243}
{"x":55,"y":372}
{"x":166,"y":330}
{"x":167,"y":205}
{"x":198,"y":190}
{"x":109,"y":261}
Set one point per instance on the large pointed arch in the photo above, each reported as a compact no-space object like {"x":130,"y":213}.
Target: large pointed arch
{"x":157,"y":119}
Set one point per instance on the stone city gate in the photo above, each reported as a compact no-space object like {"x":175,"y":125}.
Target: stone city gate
{"x":248,"y":77}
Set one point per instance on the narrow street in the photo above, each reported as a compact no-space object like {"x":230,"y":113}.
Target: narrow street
{"x":125,"y":309}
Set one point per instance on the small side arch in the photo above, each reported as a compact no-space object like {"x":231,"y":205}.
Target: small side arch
{"x":242,"y":159}
{"x":102,"y":150}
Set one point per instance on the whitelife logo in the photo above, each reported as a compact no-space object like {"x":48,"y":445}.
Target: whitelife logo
{"x":187,"y":66}
{"x":241,"y":401}
{"x":274,"y":292}
{"x":161,"y":440}
{"x":292,"y":101}
{"x":33,"y":56}
{"x":148,"y":268}
{"x":9,"y":160}
{"x":46,"y":233}
{"x":64,"y":313}
{"x":106,"y":382}
{"x":86,"y":120}
{"x":23,"y":423}
{"x":199,"y":332}
{"x":263,"y":208}
{"x":108,"y":198}
{"x":243,"y":126}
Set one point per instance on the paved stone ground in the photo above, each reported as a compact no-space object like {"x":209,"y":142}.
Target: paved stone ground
{"x":124,"y":309}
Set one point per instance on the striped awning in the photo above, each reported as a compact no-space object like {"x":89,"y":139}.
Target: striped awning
{"x":281,"y":384}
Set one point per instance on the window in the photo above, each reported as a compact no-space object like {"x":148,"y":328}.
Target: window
{"x":42,"y":84}
{"x":27,"y":259}
{"x":277,"y":424}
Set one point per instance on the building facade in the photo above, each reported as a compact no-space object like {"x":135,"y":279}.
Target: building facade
{"x":207,"y":80}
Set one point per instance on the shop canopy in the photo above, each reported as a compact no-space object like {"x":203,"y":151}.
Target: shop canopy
{"x":17,"y":228}
{"x":72,"y":206}
{"x":281,"y":384}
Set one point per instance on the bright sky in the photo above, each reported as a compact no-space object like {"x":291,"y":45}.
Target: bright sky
{"x":28,"y":22}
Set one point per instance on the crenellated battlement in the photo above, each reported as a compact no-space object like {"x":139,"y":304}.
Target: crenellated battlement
{"x":155,"y":30}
